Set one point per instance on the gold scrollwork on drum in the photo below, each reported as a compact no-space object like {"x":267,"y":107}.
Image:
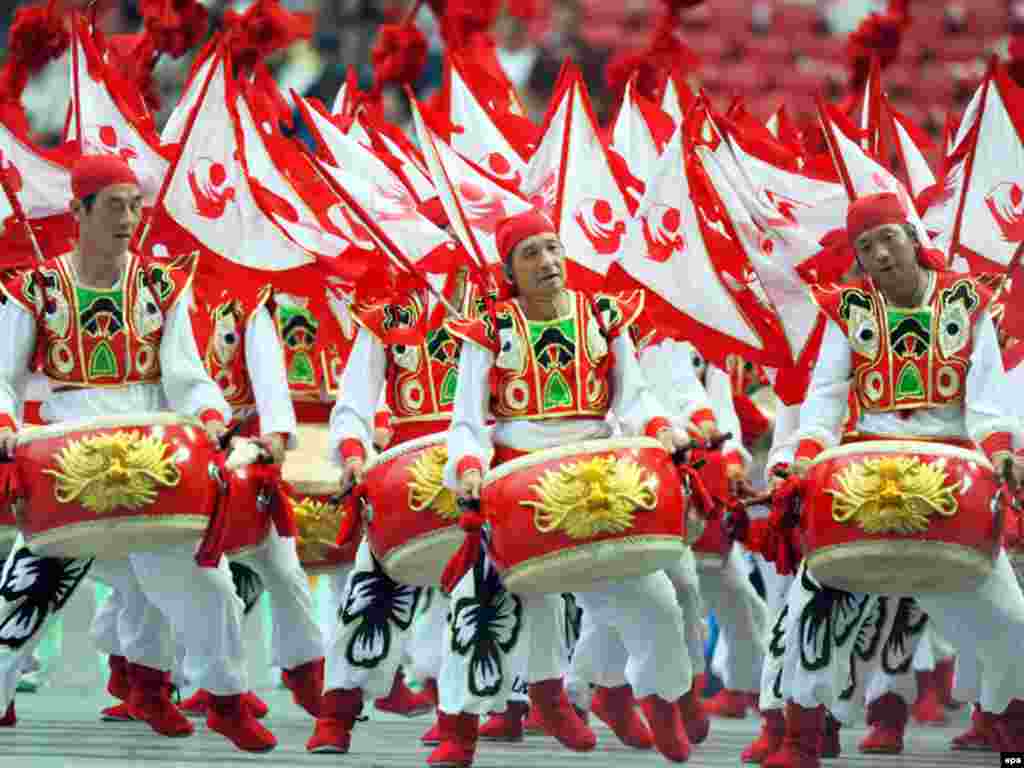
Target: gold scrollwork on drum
{"x":587,"y":498}
{"x":115,"y":470}
{"x":893,"y":494}
{"x":318,"y":523}
{"x":426,"y":484}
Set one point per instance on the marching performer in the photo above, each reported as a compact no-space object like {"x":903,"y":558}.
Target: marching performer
{"x":376,"y":612}
{"x":131,"y":317}
{"x":949,"y":388}
{"x":580,"y":344}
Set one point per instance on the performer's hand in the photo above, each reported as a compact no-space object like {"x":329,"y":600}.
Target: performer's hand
{"x":672,"y":439}
{"x":706,"y":430}
{"x":469,"y":485}
{"x":215,"y":431}
{"x":800,"y":468}
{"x":1018,"y":470}
{"x":8,"y":443}
{"x":382,"y":438}
{"x":275,"y":445}
{"x":352,"y":473}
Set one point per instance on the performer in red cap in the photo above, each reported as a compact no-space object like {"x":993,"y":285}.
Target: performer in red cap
{"x":917,"y":349}
{"x":589,"y":364}
{"x":113,"y":335}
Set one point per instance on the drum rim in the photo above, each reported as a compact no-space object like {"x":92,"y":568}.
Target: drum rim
{"x":564,"y":451}
{"x":194,"y":524}
{"x":903,"y":446}
{"x":409,"y":446}
{"x":113,"y":421}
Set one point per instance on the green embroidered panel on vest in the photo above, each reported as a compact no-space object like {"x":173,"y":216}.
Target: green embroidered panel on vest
{"x":102,"y":362}
{"x":448,"y":385}
{"x":910,"y":331}
{"x":553,"y":342}
{"x":100,"y":313}
{"x":556,"y":392}
{"x":301,"y":370}
{"x":909,"y":383}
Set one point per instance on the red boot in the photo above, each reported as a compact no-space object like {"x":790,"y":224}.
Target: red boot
{"x":979,"y":737}
{"x":10,"y":719}
{"x":830,"y":747}
{"x":118,"y":713}
{"x":458,"y":741}
{"x":773,"y":729}
{"x":617,"y":708}
{"x":118,"y":685}
{"x":229,"y":716}
{"x":726,"y":703}
{"x":695,"y":719}
{"x":433,"y":736}
{"x":150,"y":700}
{"x":945,"y":671}
{"x":667,"y":728}
{"x":306,"y":682}
{"x":928,"y":709}
{"x":257,"y":707}
{"x":333,"y":729}
{"x":505,"y":726}
{"x":887,"y":716}
{"x":558,"y":718}
{"x":532,"y":724}
{"x":196,"y":704}
{"x":1009,"y":727}
{"x":401,"y":701}
{"x":802,"y":740}
{"x":430,"y":691}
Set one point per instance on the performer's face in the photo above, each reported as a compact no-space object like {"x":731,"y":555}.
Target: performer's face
{"x":107,"y":226}
{"x":889,"y":255}
{"x":538,"y":266}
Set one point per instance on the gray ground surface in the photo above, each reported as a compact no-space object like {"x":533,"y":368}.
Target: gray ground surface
{"x":60,"y":727}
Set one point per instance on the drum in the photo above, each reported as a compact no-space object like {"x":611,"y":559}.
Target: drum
{"x":115,"y":485}
{"x":565,"y":519}
{"x":712,"y":548}
{"x":313,"y":484}
{"x":899,"y":517}
{"x":249,"y":515}
{"x":1014,"y":542}
{"x":707,"y":537}
{"x":412,"y":518}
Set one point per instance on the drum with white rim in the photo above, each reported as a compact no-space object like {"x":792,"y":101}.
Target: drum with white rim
{"x":115,"y":485}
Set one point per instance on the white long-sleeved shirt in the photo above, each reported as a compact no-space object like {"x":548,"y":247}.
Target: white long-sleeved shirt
{"x":264,"y":360}
{"x":982,"y":413}
{"x":633,"y":403}
{"x":362,"y":387}
{"x":185,"y":385}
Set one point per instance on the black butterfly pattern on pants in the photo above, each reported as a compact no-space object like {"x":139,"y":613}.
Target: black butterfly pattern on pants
{"x":827,"y":621}
{"x":869,"y":637}
{"x":248,"y":585}
{"x":485,"y":627}
{"x":34,"y":588}
{"x":377,"y":602}
{"x":907,"y":627}
{"x":573,"y":622}
{"x":777,"y":647}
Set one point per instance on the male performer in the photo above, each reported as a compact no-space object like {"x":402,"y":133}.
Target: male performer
{"x":112,"y":333}
{"x":548,"y":373}
{"x":917,"y":348}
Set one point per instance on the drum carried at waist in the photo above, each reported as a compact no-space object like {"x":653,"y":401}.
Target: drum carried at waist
{"x":901,"y":517}
{"x":412,"y":519}
{"x":313,"y":485}
{"x":566,"y":519}
{"x":116,"y":485}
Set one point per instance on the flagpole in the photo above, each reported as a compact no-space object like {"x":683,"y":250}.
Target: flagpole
{"x":389,"y":245}
{"x":12,"y":198}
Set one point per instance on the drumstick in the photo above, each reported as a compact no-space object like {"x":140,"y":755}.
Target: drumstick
{"x":713,"y":444}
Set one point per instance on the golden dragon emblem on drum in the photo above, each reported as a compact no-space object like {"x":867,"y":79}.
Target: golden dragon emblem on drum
{"x":115,"y":470}
{"x":426,"y":484}
{"x":587,"y":498}
{"x":893,"y":494}
{"x":318,"y":523}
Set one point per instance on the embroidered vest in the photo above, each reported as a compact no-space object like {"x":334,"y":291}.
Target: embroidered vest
{"x":907,"y":358}
{"x":552,"y":369}
{"x":101,"y":338}
{"x":421,"y":372}
{"x":315,"y":349}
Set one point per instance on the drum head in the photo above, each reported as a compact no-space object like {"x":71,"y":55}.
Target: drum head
{"x":306,"y":467}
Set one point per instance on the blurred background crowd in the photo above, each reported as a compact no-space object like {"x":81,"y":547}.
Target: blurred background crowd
{"x":767,"y":51}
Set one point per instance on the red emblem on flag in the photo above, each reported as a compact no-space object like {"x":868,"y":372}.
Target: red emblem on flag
{"x":209,"y":183}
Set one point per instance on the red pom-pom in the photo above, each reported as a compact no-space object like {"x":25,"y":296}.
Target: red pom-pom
{"x":38,"y":35}
{"x":675,"y":6}
{"x":176,"y":26}
{"x":525,"y":10}
{"x":132,"y":57}
{"x":464,"y":19}
{"x":1015,"y":66}
{"x":262,"y":30}
{"x":399,"y":54}
{"x":880,"y":34}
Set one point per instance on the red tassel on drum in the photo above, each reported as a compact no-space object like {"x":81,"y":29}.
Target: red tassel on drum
{"x":698,"y":491}
{"x":469,"y":551}
{"x":10,"y":482}
{"x":211,"y":548}
{"x":348,"y":526}
{"x":281,"y":512}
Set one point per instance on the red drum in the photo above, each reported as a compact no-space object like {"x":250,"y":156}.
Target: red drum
{"x":565,"y":519}
{"x":412,"y":518}
{"x":115,"y":485}
{"x":313,"y":483}
{"x":712,"y":548}
{"x":901,"y":517}
{"x":707,"y":537}
{"x":249,"y":518}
